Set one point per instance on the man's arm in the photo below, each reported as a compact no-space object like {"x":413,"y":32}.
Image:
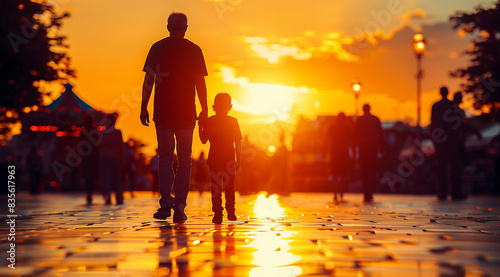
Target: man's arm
{"x":201,"y":89}
{"x":202,"y":132}
{"x":147,"y":88}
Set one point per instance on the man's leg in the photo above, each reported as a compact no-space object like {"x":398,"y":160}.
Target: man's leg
{"x":106,"y":180}
{"x":116,"y":180}
{"x":456,"y":167}
{"x":442,"y":187}
{"x":184,"y":138}
{"x":368,"y":166}
{"x":166,"y":144}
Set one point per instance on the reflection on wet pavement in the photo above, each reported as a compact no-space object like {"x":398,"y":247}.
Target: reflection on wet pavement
{"x":300,"y":234}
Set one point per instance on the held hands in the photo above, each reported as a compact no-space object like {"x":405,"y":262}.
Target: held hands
{"x":235,"y":167}
{"x":202,"y":118}
{"x":203,"y":115}
{"x":145,"y":117}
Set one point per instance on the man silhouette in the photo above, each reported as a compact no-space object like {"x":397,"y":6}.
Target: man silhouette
{"x":370,"y":138}
{"x":177,"y":68}
{"x":446,"y":120}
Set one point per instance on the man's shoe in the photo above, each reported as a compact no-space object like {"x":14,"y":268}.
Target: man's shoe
{"x":231,"y":216}
{"x":459,"y":197}
{"x":162,"y":213}
{"x":368,"y":200}
{"x":179,"y":216}
{"x":217,"y":218}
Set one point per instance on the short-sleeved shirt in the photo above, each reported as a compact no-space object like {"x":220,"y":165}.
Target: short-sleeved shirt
{"x":175,"y":63}
{"x":222,"y":132}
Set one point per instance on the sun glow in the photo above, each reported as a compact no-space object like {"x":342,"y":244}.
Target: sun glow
{"x":262,"y":98}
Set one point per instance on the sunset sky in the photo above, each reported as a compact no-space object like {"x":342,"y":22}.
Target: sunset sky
{"x":278,"y":59}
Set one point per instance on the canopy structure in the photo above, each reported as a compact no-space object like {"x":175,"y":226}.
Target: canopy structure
{"x":69,"y":101}
{"x":63,"y":116}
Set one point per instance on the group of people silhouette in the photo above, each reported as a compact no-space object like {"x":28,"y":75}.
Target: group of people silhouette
{"x":176,"y":68}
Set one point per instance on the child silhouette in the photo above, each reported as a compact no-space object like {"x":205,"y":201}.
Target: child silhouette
{"x":224,"y":135}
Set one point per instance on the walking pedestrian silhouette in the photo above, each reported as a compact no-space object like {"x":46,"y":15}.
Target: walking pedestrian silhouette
{"x":177,"y":69}
{"x":370,"y":140}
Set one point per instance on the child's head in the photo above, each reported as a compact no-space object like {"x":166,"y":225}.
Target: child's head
{"x":222,"y":103}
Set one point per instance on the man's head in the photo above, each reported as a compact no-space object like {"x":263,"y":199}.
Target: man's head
{"x":222,"y":103}
{"x":444,"y":92}
{"x":366,"y":108}
{"x":177,"y":23}
{"x":457,"y":97}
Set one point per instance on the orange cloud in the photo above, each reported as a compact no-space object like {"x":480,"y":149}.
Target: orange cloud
{"x":301,"y":48}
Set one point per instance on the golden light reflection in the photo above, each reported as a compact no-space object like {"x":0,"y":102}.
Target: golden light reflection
{"x":272,"y":254}
{"x":268,"y":207}
{"x":271,"y":247}
{"x":275,"y":271}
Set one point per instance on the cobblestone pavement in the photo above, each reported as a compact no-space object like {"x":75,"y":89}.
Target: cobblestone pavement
{"x":301,"y":234}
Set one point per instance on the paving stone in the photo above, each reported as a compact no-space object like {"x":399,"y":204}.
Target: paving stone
{"x":299,"y":234}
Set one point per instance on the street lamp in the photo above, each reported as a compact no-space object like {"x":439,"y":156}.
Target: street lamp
{"x":356,"y":87}
{"x":418,"y":44}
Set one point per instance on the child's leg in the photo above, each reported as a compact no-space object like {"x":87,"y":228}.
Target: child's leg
{"x":216,"y":178}
{"x":229,"y":191}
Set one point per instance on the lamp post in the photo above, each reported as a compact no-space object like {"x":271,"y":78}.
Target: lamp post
{"x":418,"y":44}
{"x":356,"y":87}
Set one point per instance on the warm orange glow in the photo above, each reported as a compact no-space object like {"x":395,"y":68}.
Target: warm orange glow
{"x":262,"y":98}
{"x":418,"y":44}
{"x":418,"y":37}
{"x":273,"y":71}
{"x":271,"y":149}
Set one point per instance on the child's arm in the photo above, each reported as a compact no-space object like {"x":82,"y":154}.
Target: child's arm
{"x":237,"y":148}
{"x":202,"y":132}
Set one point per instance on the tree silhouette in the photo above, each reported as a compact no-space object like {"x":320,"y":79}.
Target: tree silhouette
{"x":33,"y":53}
{"x":483,"y":73}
